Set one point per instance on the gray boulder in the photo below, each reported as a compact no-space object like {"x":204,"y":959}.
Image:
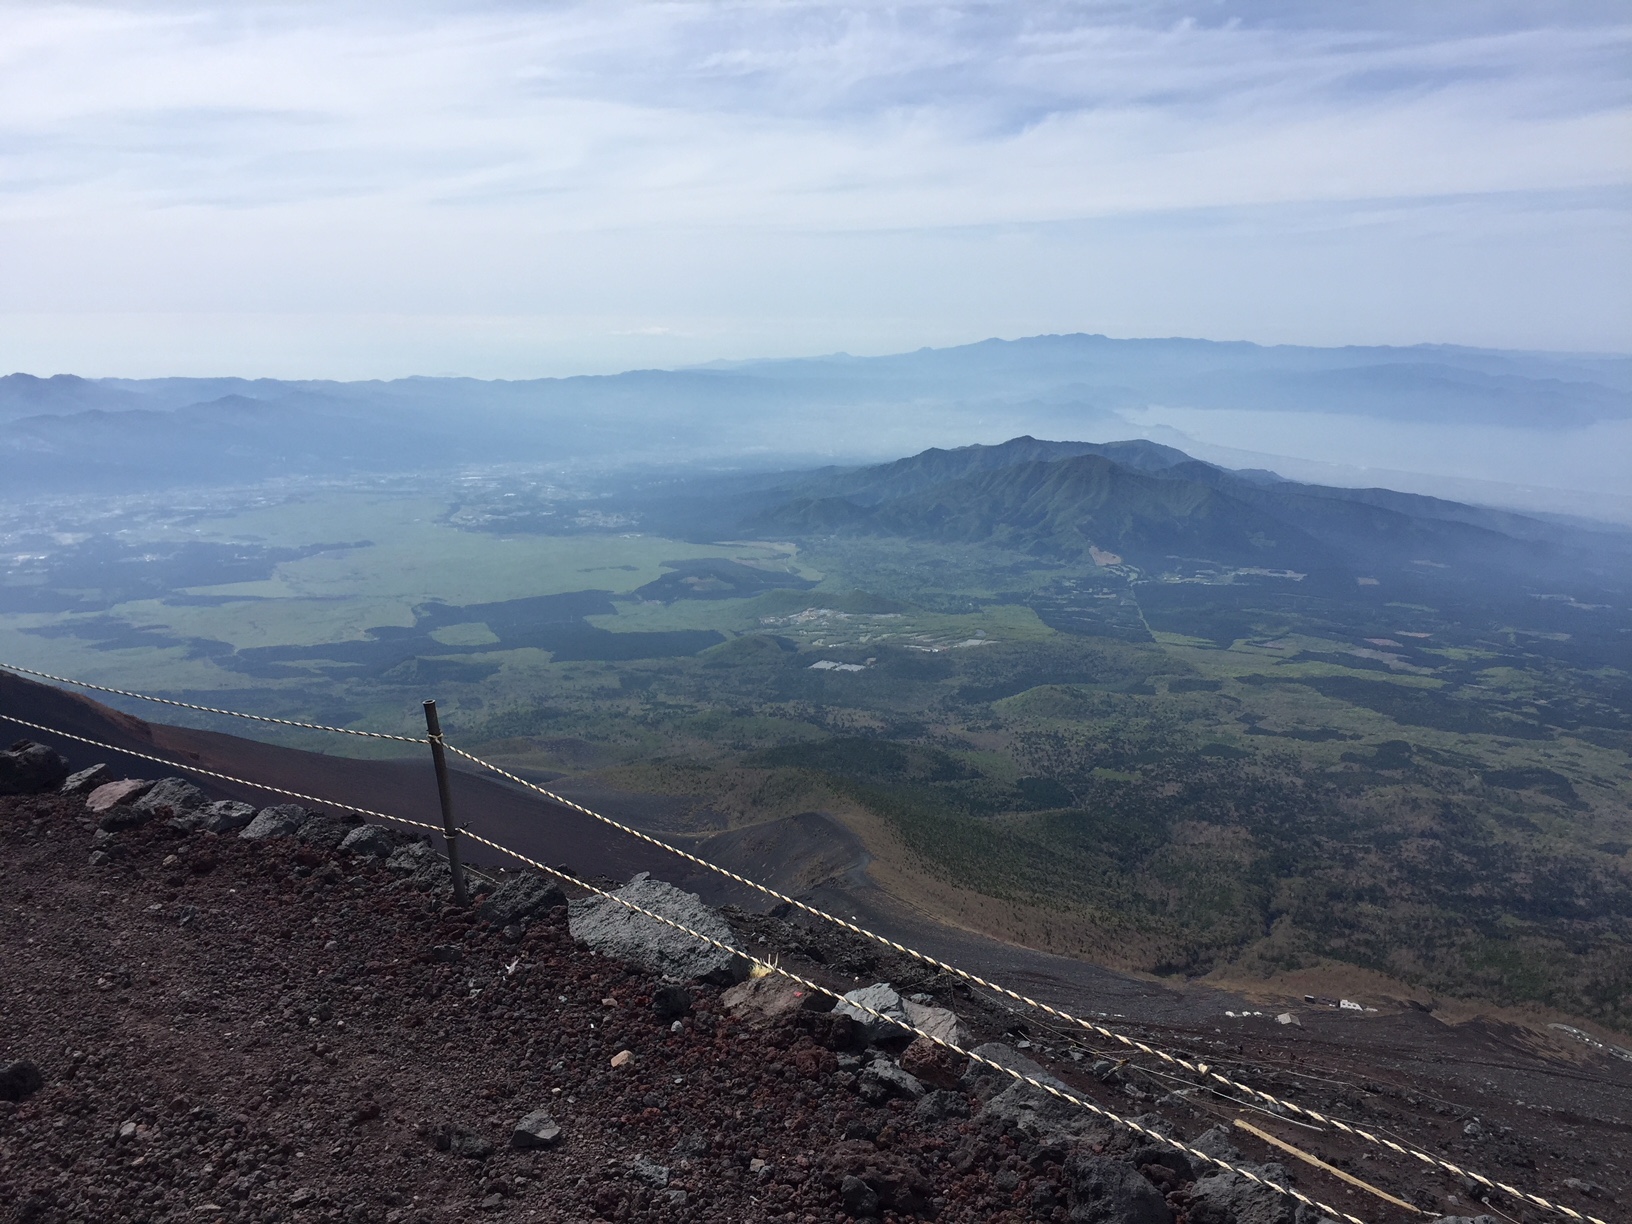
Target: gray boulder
{"x":1215,"y":1142}
{"x":86,"y":780}
{"x":867,"y":1004}
{"x":420,"y":866}
{"x":1104,"y":1191}
{"x":941,"y":1105}
{"x":110,"y":795}
{"x":1027,"y":1106}
{"x":537,"y":1130}
{"x":225,"y":816}
{"x":645,"y":1169}
{"x":171,"y":797}
{"x":282,"y":820}
{"x":883,"y":1081}
{"x":20,"y":1079}
{"x":618,"y":932}
{"x":525,"y":896}
{"x":1229,"y":1198}
{"x":27,"y":768}
{"x":938,"y":1022}
{"x":325,"y":831}
{"x":368,"y":841}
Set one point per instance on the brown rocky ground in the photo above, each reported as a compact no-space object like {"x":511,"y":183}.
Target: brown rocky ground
{"x":270,"y":1030}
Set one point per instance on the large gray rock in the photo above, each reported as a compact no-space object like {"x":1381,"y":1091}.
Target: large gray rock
{"x":938,"y":1022}
{"x":1229,"y":1198}
{"x":28,"y":768}
{"x":1032,"y":1109}
{"x":122,"y":793}
{"x":281,"y":820}
{"x":883,"y":1081}
{"x":537,"y":1130}
{"x":20,"y":1079}
{"x":420,"y":866}
{"x":1215,"y":1142}
{"x":524,"y":896}
{"x":613,"y":930}
{"x":171,"y":797}
{"x":867,"y":1004}
{"x":86,"y":780}
{"x":224,"y":816}
{"x":1104,"y":1191}
{"x":368,"y":841}
{"x":325,"y":831}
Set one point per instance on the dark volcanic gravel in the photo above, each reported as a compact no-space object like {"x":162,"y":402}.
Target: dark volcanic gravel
{"x":269,"y":1030}
{"x":263,"y":1031}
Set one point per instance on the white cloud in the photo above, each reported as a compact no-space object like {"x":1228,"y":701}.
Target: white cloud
{"x":682,"y":159}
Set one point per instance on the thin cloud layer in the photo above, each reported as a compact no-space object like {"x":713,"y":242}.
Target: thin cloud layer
{"x":321,"y":159}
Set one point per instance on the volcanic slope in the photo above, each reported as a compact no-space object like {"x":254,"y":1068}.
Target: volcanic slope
{"x":275,"y":1029}
{"x":193,"y":936}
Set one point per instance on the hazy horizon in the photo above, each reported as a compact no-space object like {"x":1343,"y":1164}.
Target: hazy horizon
{"x":506,"y":190}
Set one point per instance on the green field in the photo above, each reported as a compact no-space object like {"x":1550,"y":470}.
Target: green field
{"x":1246,"y":774}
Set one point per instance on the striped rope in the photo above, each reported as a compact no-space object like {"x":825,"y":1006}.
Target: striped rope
{"x":771,"y":966}
{"x":210,"y":773}
{"x":187,"y":705}
{"x":1201,"y":1069}
{"x":774,"y":967}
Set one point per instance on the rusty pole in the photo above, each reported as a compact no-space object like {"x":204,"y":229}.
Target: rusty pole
{"x":450,"y":833}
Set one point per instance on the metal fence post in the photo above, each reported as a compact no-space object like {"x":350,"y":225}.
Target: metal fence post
{"x":450,"y":834}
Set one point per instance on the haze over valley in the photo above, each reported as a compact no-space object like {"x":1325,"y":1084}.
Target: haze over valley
{"x":794,"y":611}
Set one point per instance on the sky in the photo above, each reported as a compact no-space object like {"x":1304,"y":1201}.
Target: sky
{"x":513,"y":189}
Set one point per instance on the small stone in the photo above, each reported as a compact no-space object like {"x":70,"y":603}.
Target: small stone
{"x":525,"y":896}
{"x":280,"y":820}
{"x":20,"y":1079}
{"x":368,"y":841}
{"x":883,"y":1080}
{"x":447,"y":954}
{"x":31,"y":769}
{"x":127,"y":1130}
{"x":932,"y":1064}
{"x":112,"y":794}
{"x":100,"y":858}
{"x":940,"y":1105}
{"x":860,"y":1199}
{"x":85,"y":780}
{"x":225,"y":816}
{"x":764,"y":1000}
{"x":170,"y":797}
{"x":301,"y":1197}
{"x":670,"y":1002}
{"x":537,"y":1130}
{"x":460,"y":1142}
{"x":622,"y":1058}
{"x":645,"y":1169}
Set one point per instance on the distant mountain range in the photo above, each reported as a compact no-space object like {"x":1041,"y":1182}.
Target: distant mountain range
{"x":1150,"y":505}
{"x":68,"y":433}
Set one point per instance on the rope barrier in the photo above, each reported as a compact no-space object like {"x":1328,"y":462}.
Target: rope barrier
{"x":768,"y":966}
{"x":1201,"y":1069}
{"x":187,"y":705}
{"x":210,"y":773}
{"x":817,"y":988}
